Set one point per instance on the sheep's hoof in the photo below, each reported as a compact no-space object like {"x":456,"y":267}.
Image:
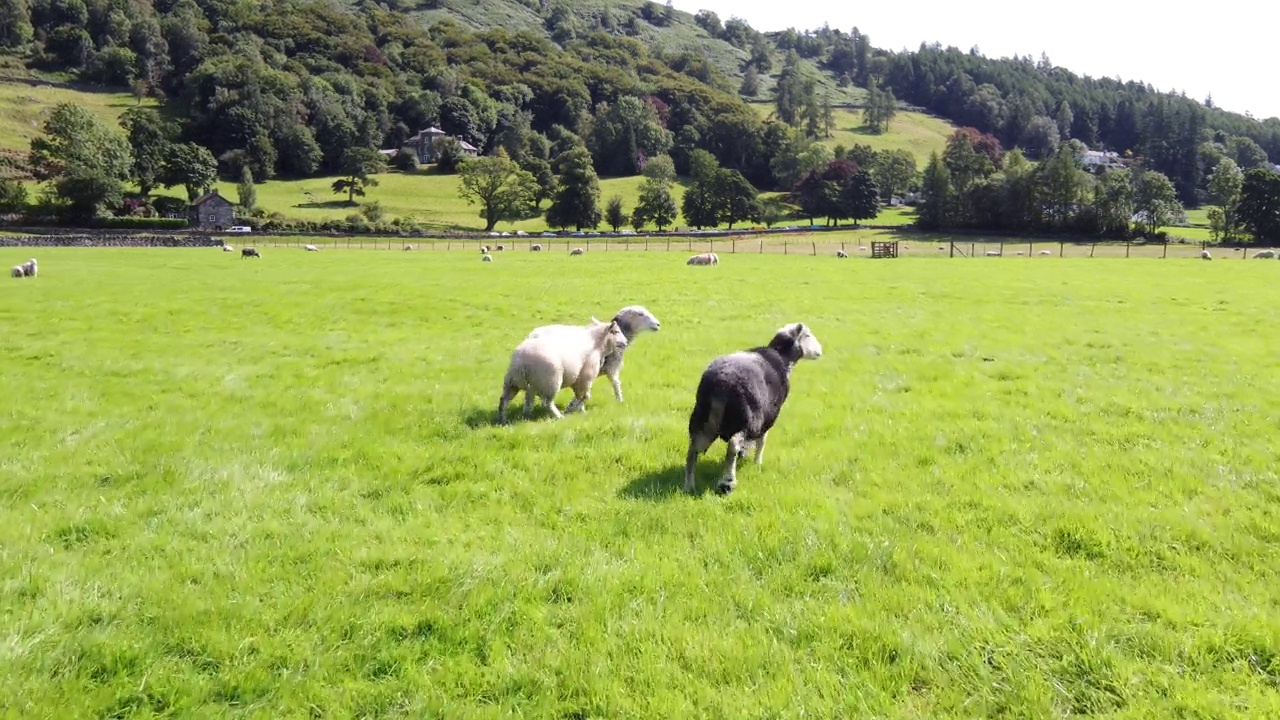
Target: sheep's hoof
{"x":724,"y":487}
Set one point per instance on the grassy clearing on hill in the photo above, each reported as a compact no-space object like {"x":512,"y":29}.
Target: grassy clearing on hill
{"x":271,"y":488}
{"x":24,"y":108}
{"x":917,"y":132}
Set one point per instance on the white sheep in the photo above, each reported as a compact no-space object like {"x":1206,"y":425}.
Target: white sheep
{"x":576,"y":251}
{"x":486,"y":258}
{"x":29,"y":268}
{"x":740,"y":396}
{"x":841,"y":254}
{"x":17,"y":271}
{"x":993,"y":253}
{"x":1204,"y":255}
{"x":228,"y":248}
{"x":311,"y":248}
{"x":632,"y":320}
{"x":535,"y":247}
{"x":543,"y":366}
{"x":703,"y":259}
{"x":408,"y":248}
{"x":1046,"y":252}
{"x":484,"y":249}
{"x":1265,"y":254}
{"x":862,"y":248}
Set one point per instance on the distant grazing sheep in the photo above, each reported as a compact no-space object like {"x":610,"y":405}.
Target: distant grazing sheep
{"x":501,"y":248}
{"x":1265,"y":254}
{"x":576,"y":251}
{"x":1046,"y":252}
{"x":993,"y":253}
{"x":249,"y":252}
{"x":1204,"y":255}
{"x":841,"y":254}
{"x":17,"y":271}
{"x":311,"y":248}
{"x":484,"y":249}
{"x":408,"y":248}
{"x":942,"y":247}
{"x":703,"y":259}
{"x":632,"y":320}
{"x":740,"y":397}
{"x":545,"y":365}
{"x":486,"y":258}
{"x":535,"y":247}
{"x":29,"y":268}
{"x":862,"y":248}
{"x":228,"y":248}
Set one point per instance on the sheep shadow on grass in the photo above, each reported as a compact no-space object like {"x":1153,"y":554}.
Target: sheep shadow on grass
{"x":483,"y":417}
{"x":668,"y":482}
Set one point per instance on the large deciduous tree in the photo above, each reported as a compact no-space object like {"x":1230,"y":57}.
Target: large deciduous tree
{"x":151,"y":138}
{"x":1155,"y":201}
{"x":191,"y":166}
{"x":894,"y":171}
{"x":577,"y":197}
{"x":84,"y":159}
{"x":655,"y":205}
{"x":358,"y":167}
{"x":503,"y":190}
{"x":1259,"y":208}
{"x":1224,"y":187}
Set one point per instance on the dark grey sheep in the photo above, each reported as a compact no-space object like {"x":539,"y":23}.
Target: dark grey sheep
{"x":739,"y":399}
{"x":249,"y":252}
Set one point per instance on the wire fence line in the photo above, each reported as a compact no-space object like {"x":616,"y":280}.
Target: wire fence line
{"x":905,"y":242}
{"x":921,"y":246}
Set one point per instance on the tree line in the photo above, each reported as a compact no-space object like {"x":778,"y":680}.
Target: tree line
{"x":975,"y":184}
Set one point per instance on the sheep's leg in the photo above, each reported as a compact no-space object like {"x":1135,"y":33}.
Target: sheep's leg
{"x":616,"y":382}
{"x":508,"y":392}
{"x":528,"y":403}
{"x":730,"y":478}
{"x":550,"y":400}
{"x":760,"y":448}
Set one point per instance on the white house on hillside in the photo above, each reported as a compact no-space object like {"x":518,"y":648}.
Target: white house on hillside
{"x":1098,"y":160}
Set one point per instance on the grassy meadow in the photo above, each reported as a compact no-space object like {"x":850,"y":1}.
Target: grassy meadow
{"x":272,"y":488}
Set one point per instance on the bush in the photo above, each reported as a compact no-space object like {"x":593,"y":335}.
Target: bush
{"x":405,"y":160}
{"x":13,"y":196}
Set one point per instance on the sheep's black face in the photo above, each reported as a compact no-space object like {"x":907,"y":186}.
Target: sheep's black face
{"x":795,"y":342}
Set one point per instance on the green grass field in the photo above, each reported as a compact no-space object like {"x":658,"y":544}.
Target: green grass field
{"x":427,"y":197}
{"x":271,"y":488}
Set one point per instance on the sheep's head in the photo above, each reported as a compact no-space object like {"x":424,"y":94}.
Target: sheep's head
{"x":610,"y":334}
{"x":635,"y":319}
{"x":795,"y":342}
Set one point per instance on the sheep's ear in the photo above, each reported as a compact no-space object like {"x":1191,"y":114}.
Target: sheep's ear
{"x":800,"y":330}
{"x":594,"y":321}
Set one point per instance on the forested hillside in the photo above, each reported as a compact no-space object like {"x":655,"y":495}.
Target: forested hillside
{"x":294,"y":88}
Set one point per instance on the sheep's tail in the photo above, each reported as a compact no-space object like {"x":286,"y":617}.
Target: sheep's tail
{"x":705,"y":420}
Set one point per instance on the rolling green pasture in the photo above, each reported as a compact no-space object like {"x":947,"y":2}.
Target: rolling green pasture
{"x":272,"y":488}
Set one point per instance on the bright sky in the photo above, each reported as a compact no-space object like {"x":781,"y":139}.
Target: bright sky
{"x":1221,"y":48}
